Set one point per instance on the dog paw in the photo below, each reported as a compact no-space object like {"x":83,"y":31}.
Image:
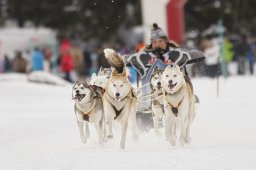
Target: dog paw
{"x":183,"y":141}
{"x":135,"y":138}
{"x":158,"y":134}
{"x":83,"y":140}
{"x":110,"y":136}
{"x":102,"y":144}
{"x":122,"y":146}
{"x":172,"y":140}
{"x":188,"y":140}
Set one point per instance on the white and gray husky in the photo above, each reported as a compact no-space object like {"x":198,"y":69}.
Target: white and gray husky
{"x":157,"y":104}
{"x":179,"y":105}
{"x":88,"y":109}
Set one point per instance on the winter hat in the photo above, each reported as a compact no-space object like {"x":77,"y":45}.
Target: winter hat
{"x":157,"y":32}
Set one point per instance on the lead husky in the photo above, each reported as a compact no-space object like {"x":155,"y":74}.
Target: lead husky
{"x":179,"y":105}
{"x":119,"y":99}
{"x":88,"y":108}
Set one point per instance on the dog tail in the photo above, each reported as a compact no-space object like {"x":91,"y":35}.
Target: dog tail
{"x":115,"y":59}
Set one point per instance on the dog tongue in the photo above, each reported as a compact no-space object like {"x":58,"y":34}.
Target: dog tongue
{"x":172,"y":85}
{"x":78,"y":97}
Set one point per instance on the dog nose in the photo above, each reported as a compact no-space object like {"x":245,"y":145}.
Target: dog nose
{"x":170,"y":81}
{"x":77,"y":91}
{"x":159,"y":83}
{"x":117,"y":94}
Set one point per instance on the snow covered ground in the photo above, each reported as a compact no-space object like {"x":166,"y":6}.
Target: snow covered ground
{"x":38,"y":131}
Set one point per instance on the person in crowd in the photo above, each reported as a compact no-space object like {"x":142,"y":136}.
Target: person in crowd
{"x":251,"y":54}
{"x":211,"y":50}
{"x":241,"y":50}
{"x":66,"y":64}
{"x":87,"y":62}
{"x":78,"y":59}
{"x":6,"y":64}
{"x":19,"y":63}
{"x":228,"y":53}
{"x":37,"y":62}
{"x":47,"y":59}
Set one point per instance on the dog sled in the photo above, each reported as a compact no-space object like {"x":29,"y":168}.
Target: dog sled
{"x":145,"y":63}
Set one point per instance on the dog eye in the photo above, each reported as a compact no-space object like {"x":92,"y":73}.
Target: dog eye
{"x":121,"y":85}
{"x":167,"y":76}
{"x":82,"y":87}
{"x":175,"y":75}
{"x":114,"y":85}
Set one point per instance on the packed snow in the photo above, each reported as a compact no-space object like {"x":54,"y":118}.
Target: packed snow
{"x":38,"y":130}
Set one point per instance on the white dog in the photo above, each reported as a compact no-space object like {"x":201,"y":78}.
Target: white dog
{"x":101,"y":79}
{"x":157,"y":99}
{"x":88,"y":108}
{"x":119,"y":100}
{"x":179,"y":105}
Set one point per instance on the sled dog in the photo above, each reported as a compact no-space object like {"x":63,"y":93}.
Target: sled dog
{"x":157,"y":104}
{"x":101,"y":79}
{"x":119,"y":100}
{"x":88,"y":108}
{"x":179,"y":105}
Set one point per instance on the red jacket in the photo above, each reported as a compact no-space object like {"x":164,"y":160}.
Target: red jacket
{"x":66,"y":63}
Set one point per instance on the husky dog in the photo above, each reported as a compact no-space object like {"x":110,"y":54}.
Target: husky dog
{"x":88,"y":108}
{"x":101,"y":79}
{"x":119,"y":100}
{"x":157,"y":99}
{"x":105,"y":72}
{"x":179,"y":105}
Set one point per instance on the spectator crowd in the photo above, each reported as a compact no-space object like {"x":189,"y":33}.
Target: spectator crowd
{"x":230,"y":56}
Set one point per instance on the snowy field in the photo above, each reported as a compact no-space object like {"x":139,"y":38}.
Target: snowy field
{"x":38,"y":131}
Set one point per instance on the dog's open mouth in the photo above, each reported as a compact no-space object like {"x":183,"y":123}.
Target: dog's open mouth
{"x":171,"y":86}
{"x":79,"y":97}
{"x":159,"y":87}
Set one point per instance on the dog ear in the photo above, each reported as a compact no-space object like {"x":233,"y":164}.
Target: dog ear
{"x":86,"y":84}
{"x":124,"y":73}
{"x":76,"y":83}
{"x":93,"y":75}
{"x":100,"y":69}
{"x":114,"y":73}
{"x":169,"y":67}
{"x":156,"y":69}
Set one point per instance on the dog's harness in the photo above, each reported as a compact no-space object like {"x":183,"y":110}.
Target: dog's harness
{"x":118,"y":112}
{"x":175,"y":110}
{"x":88,"y":113}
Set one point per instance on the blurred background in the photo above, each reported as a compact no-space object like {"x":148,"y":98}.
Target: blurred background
{"x":67,"y":37}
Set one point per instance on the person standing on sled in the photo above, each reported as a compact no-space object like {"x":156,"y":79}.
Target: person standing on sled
{"x":160,"y":48}
{"x":166,"y":50}
{"x":158,"y":54}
